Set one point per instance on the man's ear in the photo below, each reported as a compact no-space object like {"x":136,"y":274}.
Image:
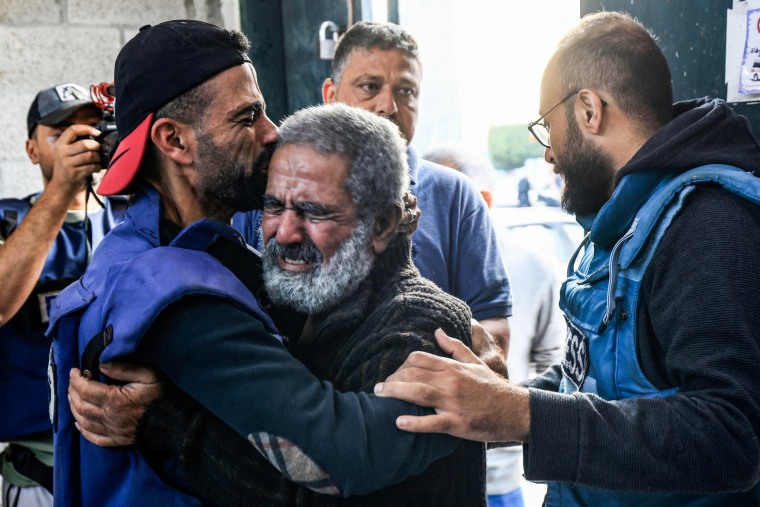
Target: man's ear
{"x":31,"y":151}
{"x":385,"y":228}
{"x":591,"y":112}
{"x":174,"y":139}
{"x":328,"y":91}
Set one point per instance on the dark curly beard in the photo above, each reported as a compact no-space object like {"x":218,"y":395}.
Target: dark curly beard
{"x":588,"y":172}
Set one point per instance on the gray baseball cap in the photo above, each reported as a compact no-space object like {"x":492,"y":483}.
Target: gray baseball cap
{"x":53,"y":105}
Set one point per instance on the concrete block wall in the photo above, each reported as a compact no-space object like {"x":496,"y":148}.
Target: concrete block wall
{"x":47,"y":42}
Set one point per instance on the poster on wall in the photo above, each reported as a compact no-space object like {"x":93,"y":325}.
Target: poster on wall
{"x":743,"y":51}
{"x":749,"y":81}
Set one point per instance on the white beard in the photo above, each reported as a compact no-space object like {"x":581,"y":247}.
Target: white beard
{"x":328,"y":284}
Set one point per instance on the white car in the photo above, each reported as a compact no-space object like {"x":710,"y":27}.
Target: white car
{"x":544,"y":228}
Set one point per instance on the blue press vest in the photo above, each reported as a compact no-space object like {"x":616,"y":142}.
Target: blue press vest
{"x":24,"y":348}
{"x":129,"y":282}
{"x":600,"y":302}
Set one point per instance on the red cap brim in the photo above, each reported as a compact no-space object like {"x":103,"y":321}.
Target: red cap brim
{"x":126,"y":160}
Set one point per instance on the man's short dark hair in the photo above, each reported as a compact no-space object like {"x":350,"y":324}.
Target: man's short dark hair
{"x":367,"y":35}
{"x":190,"y":107}
{"x":612,"y":51}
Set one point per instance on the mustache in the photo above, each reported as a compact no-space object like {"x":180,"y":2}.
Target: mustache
{"x":306,"y":251}
{"x":393,"y":118}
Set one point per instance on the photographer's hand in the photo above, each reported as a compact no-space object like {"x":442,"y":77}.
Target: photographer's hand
{"x":23,"y":253}
{"x":76,"y":159}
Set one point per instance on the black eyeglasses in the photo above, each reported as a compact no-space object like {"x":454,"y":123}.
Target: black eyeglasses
{"x":539,"y":130}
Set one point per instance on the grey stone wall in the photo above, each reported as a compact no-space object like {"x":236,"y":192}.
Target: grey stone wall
{"x":46,"y":42}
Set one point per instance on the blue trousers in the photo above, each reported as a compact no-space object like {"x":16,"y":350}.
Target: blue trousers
{"x":512,"y":499}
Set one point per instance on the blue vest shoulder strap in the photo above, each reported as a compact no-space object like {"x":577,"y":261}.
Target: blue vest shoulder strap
{"x":668,"y":200}
{"x":191,"y":273}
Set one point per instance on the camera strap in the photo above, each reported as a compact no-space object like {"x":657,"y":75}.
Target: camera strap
{"x":25,"y":463}
{"x":91,"y":191}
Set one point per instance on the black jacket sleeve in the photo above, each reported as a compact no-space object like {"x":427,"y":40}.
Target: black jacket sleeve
{"x":216,"y":463}
{"x":224,"y":359}
{"x":697,"y":331}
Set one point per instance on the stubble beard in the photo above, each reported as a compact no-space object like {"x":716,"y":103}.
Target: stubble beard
{"x":228,"y":185}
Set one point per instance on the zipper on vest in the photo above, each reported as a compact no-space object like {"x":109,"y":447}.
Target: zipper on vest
{"x":614,"y":268}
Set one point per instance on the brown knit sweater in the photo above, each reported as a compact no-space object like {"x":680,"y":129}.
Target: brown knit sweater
{"x":393,"y":313}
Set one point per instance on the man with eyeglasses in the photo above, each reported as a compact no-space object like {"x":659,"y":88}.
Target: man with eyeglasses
{"x":657,"y":400}
{"x":540,"y":129}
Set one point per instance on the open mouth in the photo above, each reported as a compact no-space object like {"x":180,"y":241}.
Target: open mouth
{"x":295,"y":265}
{"x":295,"y":257}
{"x":294,"y":261}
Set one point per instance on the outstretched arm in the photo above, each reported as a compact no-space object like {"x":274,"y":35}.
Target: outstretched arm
{"x":470,"y":400}
{"x":23,"y":254}
{"x":701,"y":439}
{"x":246,"y":378}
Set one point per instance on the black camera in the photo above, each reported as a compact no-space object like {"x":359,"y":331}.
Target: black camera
{"x":108,"y":137}
{"x":103,"y":97}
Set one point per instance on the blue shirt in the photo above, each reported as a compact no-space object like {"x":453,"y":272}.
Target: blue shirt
{"x":23,"y":347}
{"x":455,"y":245}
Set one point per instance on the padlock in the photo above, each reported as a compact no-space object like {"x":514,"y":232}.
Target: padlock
{"x":327,"y":46}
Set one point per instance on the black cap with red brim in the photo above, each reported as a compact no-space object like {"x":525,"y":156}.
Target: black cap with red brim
{"x":159,"y":64}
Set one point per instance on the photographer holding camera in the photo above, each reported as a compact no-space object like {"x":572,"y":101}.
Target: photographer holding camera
{"x":46,"y":241}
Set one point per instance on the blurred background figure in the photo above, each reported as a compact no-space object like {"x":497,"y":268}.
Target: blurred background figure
{"x":538,"y":329}
{"x":523,"y":186}
{"x":476,"y":167}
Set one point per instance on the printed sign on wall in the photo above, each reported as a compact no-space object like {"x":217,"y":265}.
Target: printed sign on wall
{"x":743,"y":51}
{"x":749,"y":81}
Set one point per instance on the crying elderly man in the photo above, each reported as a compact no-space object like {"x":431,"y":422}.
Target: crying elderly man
{"x":342,"y":288}
{"x":331,"y":210}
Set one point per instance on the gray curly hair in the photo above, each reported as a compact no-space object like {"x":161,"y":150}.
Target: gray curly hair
{"x":379,"y":172}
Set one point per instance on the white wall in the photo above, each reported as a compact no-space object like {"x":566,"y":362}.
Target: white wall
{"x":46,"y":42}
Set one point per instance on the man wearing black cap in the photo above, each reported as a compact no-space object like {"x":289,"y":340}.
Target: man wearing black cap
{"x":44,"y":246}
{"x":173,"y":287}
